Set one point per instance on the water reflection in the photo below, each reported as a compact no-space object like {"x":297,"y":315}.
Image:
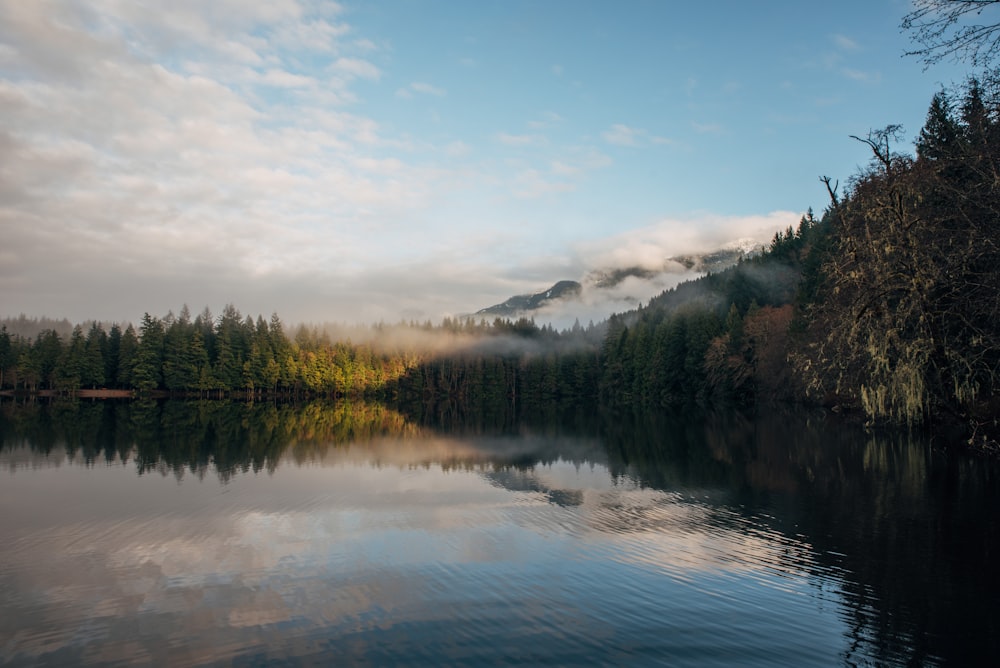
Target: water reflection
{"x":229,"y":438}
{"x":907,"y":531}
{"x":352,"y":533}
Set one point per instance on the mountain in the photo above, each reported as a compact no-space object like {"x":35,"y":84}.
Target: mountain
{"x":609,"y":278}
{"x":720,"y":259}
{"x":611,"y":289}
{"x":517,"y":305}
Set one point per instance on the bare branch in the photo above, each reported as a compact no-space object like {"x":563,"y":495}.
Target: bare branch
{"x":948,"y":29}
{"x":878,"y":141}
{"x":831,"y":190}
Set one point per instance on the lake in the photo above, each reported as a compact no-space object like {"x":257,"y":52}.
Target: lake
{"x":192,"y":533}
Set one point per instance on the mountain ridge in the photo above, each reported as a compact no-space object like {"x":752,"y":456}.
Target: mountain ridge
{"x":612,"y":280}
{"x":519,"y":304}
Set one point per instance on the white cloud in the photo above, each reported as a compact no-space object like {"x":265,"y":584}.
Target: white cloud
{"x":707,"y":128}
{"x":649,"y":246}
{"x":315,"y":35}
{"x":590,"y":158}
{"x":382,"y":166}
{"x":422,"y":88}
{"x":188,"y":176}
{"x":623,"y":135}
{"x":519,"y":140}
{"x":219,"y":152}
{"x":240,"y":53}
{"x":845,"y":50}
{"x":620,"y":135}
{"x":562,"y":169}
{"x":357,"y":67}
{"x":545,"y":120}
{"x":846,"y":43}
{"x":531,"y":184}
{"x":862,"y":76}
{"x":457,"y":149}
{"x":283,"y":79}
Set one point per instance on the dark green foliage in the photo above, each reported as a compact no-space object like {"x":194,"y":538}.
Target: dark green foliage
{"x":112,"y":350}
{"x":147,"y":365}
{"x":181,"y":368}
{"x":126,"y":357}
{"x":8,"y":357}
{"x":68,"y":371}
{"x":659,"y":361}
{"x":44,"y":359}
{"x":940,"y":137}
{"x":95,"y":349}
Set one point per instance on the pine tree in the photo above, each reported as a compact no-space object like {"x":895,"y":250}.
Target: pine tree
{"x":147,"y":367}
{"x":111,"y":354}
{"x":180,"y":368}
{"x":8,"y":357}
{"x":127,"y":350}
{"x":92,"y":367}
{"x":45,"y":355}
{"x":939,"y":139}
{"x":71,"y":361}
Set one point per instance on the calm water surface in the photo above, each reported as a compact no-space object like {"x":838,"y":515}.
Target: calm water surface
{"x":189,"y":534}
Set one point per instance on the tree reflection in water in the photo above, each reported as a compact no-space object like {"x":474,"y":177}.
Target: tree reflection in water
{"x":904,"y":531}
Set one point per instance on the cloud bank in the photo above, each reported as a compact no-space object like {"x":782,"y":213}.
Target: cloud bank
{"x":213,"y":153}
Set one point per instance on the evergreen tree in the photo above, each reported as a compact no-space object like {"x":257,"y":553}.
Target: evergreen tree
{"x":204,"y":380}
{"x":111,"y":355}
{"x":29,"y":369}
{"x":70,"y":365}
{"x":8,"y":356}
{"x":231,"y":349}
{"x":45,"y":354}
{"x":147,"y":367}
{"x":180,"y":366}
{"x":92,"y":366}
{"x":939,"y":138}
{"x":127,"y":350}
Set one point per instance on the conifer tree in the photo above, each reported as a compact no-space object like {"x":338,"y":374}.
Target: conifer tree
{"x":8,"y":357}
{"x":111,"y":353}
{"x":70,"y":363}
{"x":147,"y":367}
{"x":127,"y":350}
{"x":92,"y":365}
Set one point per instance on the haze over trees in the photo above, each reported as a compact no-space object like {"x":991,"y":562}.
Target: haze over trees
{"x":887,"y":303}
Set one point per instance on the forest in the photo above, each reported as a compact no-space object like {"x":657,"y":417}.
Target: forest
{"x":887,"y":305}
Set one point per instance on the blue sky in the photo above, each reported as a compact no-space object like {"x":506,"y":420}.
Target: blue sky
{"x":415,"y":158}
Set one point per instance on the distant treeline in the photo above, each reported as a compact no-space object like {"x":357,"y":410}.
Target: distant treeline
{"x":888,"y":303}
{"x":213,"y":357}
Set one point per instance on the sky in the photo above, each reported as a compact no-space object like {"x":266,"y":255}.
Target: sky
{"x":362,"y":161}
